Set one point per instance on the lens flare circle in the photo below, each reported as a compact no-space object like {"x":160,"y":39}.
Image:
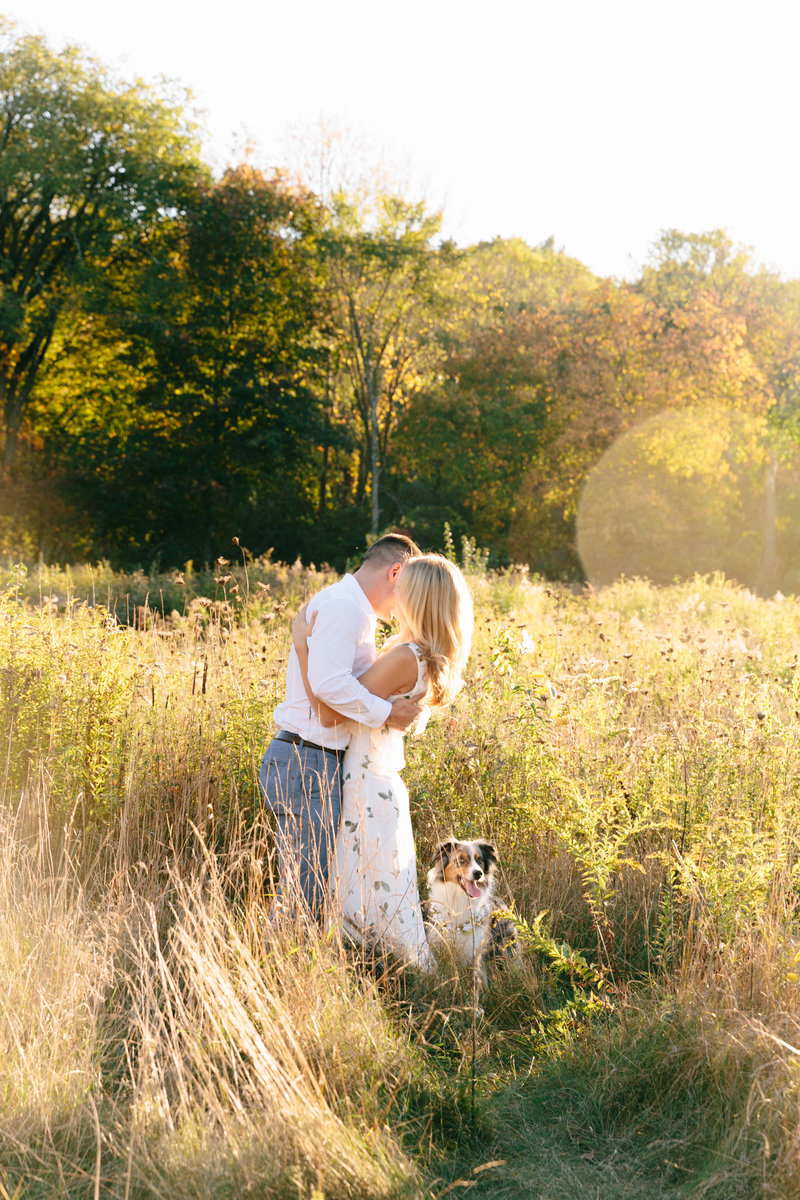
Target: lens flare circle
{"x":681,"y":493}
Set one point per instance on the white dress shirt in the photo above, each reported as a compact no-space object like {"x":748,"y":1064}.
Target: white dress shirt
{"x":340,"y":648}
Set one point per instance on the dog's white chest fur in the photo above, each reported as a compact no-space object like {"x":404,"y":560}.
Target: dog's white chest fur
{"x":462,"y":921}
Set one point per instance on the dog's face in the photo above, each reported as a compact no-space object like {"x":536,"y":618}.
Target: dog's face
{"x":470,"y":865}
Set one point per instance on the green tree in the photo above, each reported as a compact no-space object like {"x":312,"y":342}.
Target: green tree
{"x":88,"y":165}
{"x":382,"y":294}
{"x":507,"y":277}
{"x":465,"y":441}
{"x":681,"y":265}
{"x":766,"y":309}
{"x":678,"y":494}
{"x":617,"y":359}
{"x":79,"y":418}
{"x":467,"y":436}
{"x":223,"y":336}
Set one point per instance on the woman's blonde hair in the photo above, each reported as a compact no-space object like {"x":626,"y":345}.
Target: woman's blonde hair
{"x":434,"y":601}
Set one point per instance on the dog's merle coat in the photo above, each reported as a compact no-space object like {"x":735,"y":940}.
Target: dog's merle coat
{"x":463,"y":908}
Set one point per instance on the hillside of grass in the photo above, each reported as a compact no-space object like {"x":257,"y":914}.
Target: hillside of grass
{"x":634,"y":754}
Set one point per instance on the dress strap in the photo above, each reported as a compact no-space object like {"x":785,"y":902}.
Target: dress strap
{"x":422,"y":669}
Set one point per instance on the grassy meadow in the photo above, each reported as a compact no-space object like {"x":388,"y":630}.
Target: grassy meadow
{"x":635,"y":755}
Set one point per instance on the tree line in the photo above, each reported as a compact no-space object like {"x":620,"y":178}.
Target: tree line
{"x":186,"y":358}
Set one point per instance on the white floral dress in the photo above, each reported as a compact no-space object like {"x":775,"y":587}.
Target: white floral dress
{"x":375,"y":890}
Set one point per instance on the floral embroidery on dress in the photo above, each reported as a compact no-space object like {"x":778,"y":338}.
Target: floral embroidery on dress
{"x":375,"y":888}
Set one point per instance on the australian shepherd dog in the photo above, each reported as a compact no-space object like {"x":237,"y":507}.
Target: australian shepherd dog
{"x":463,"y":909}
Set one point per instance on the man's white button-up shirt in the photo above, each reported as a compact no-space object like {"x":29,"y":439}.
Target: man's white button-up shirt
{"x":340,"y":648}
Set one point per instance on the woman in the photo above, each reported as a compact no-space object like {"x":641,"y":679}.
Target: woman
{"x":374,"y":878}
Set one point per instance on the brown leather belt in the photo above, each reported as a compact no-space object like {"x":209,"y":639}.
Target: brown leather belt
{"x":283,"y":735}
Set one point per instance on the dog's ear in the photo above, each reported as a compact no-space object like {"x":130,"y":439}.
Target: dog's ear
{"x":443,"y":853}
{"x":488,"y":852}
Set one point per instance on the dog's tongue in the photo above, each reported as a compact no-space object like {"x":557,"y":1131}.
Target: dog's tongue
{"x":471,"y":888}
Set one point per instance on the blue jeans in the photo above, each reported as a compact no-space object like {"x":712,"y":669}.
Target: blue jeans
{"x":303,"y":788}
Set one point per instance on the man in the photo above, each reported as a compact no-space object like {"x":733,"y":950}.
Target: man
{"x":301,"y":769}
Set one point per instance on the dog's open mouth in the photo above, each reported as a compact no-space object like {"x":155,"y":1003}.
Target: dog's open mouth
{"x":470,"y":887}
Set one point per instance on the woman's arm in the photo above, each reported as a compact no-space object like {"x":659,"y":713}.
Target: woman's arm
{"x":301,"y":628}
{"x":394,"y":672}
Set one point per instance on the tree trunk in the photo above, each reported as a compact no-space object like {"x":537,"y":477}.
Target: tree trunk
{"x":17,"y":388}
{"x":374,"y":447}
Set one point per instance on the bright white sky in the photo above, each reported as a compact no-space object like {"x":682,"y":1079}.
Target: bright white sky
{"x":599,"y":122}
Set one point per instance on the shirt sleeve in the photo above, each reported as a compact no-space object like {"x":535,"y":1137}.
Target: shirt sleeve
{"x":331,"y":654}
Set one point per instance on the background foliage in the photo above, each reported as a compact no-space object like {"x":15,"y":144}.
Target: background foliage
{"x":185,"y":358}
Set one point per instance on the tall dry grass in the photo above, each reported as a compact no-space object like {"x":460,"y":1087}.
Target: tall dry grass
{"x":153,"y":1045}
{"x":635,"y":756}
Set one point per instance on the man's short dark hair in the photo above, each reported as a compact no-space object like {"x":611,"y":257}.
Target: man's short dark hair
{"x":392,"y":548}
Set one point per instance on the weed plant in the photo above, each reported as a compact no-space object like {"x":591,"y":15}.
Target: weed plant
{"x":634,"y":755}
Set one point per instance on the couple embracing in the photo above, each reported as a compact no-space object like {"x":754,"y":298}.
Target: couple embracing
{"x":331,"y":774}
